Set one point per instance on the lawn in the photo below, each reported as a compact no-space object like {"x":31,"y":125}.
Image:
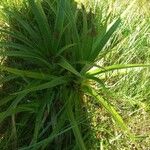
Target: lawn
{"x":74,"y":75}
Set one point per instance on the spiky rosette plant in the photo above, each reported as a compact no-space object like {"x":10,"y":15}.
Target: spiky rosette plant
{"x":50,"y":49}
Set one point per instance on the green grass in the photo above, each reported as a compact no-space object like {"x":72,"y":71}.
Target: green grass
{"x":130,"y":88}
{"x":66,"y":73}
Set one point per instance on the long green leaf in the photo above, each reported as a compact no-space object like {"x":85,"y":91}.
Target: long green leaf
{"x":19,"y":36}
{"x":53,"y":83}
{"x":102,"y":40}
{"x":6,"y":99}
{"x":59,"y":23}
{"x":66,"y":65}
{"x":25,"y":55}
{"x":56,"y":132}
{"x":75,"y":129}
{"x":116,"y":67}
{"x":42,"y":21}
{"x":109,"y":108}
{"x":38,"y":122}
{"x":13,"y":105}
{"x":73,"y":122}
{"x":7,"y":79}
{"x":20,"y":108}
{"x":25,"y":73}
{"x":67,"y":47}
{"x":24,"y":24}
{"x":40,"y":115}
{"x":16,"y":46}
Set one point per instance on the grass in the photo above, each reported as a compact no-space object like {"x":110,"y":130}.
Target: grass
{"x":130,"y":88}
{"x":65,"y":92}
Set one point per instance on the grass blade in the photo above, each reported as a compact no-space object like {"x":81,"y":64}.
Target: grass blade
{"x":53,"y":83}
{"x":116,"y":67}
{"x":12,"y":106}
{"x":66,"y":65}
{"x":102,"y":40}
{"x":25,"y":73}
{"x":75,"y":128}
{"x":42,"y":23}
{"x":110,"y":109}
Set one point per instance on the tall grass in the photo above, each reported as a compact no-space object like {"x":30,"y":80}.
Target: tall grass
{"x":130,"y":87}
{"x":51,"y":48}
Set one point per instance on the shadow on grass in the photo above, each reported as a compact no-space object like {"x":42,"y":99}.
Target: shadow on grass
{"x":49,"y":118}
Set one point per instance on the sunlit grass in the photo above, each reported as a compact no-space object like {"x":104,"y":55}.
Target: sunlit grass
{"x":126,"y":89}
{"x":130,"y":87}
